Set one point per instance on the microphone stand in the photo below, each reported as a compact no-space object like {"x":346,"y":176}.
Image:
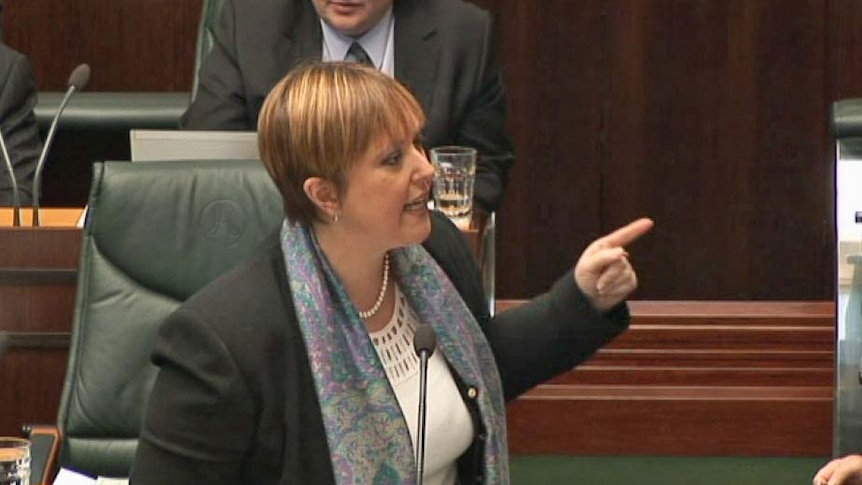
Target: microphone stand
{"x":424,"y":342}
{"x":77,"y":80}
{"x":16,"y":197}
{"x":423,"y":397}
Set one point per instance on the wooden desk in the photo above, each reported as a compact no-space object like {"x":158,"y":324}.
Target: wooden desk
{"x":65,"y":217}
{"x":38,"y":271}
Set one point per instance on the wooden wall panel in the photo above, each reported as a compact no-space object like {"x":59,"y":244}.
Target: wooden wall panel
{"x":693,"y":379}
{"x":36,"y":375}
{"x":712,"y":116}
{"x":844,"y":61}
{"x":553,"y":70}
{"x":131,"y":45}
{"x":717,"y":129}
{"x":37,"y":296}
{"x":755,"y":378}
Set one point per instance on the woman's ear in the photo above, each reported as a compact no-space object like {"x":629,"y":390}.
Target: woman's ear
{"x":324,"y":195}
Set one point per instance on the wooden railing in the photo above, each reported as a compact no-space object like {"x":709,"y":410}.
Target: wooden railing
{"x":693,"y":378}
{"x":688,"y":377}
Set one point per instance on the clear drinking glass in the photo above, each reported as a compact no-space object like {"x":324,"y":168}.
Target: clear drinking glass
{"x":14,"y":461}
{"x":454,"y":178}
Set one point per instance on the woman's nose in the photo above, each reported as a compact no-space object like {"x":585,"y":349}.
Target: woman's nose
{"x":426,"y":168}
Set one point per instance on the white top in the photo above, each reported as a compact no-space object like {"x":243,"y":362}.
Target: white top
{"x":449,"y":427}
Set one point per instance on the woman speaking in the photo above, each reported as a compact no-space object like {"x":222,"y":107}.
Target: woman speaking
{"x":298,"y":368}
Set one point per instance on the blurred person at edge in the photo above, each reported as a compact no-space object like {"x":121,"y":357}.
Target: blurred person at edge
{"x":18,"y":96}
{"x":846,"y":470}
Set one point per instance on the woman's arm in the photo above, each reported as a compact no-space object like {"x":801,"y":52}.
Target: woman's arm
{"x":565,"y":326}
{"x":199,"y":420}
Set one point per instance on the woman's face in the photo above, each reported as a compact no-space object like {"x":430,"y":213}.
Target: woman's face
{"x":386,"y":200}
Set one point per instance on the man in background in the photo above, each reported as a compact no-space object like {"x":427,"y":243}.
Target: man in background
{"x":443,"y":50}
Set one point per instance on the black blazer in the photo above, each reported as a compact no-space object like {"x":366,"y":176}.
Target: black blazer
{"x":445,"y":52}
{"x":18,"y":123}
{"x":235,"y":402}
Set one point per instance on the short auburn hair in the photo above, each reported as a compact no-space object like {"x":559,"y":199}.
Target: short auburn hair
{"x":324,"y":117}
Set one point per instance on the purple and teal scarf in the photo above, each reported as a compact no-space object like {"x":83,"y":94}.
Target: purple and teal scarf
{"x":368,"y":438}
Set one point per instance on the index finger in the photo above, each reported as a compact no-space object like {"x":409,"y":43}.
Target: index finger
{"x":628,"y":233}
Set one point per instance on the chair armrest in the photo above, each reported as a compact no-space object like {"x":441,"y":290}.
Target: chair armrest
{"x":45,"y":443}
{"x":113,"y":110}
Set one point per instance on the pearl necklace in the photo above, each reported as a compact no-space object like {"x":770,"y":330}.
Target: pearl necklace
{"x":374,"y":309}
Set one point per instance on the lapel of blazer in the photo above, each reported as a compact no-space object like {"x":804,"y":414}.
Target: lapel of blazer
{"x":302,"y":39}
{"x":416,"y":48}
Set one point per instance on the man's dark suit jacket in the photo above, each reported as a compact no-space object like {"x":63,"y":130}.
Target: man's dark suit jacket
{"x":235,"y":402}
{"x":445,"y":52}
{"x":18,"y":123}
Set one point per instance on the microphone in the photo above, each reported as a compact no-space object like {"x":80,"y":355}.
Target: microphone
{"x":16,"y":197}
{"x":424,"y":342}
{"x":77,"y":80}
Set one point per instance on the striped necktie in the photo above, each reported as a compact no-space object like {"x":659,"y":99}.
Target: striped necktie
{"x":358,"y":54}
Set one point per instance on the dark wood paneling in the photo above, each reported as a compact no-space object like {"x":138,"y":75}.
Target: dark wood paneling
{"x":712,"y":116}
{"x":639,"y":395}
{"x":844,"y":60}
{"x":553,"y":68}
{"x":623,"y":421}
{"x":36,"y":377}
{"x":37,"y":297}
{"x":40,"y":305}
{"x":693,"y":378}
{"x":131,"y":45}
{"x":717,"y":130}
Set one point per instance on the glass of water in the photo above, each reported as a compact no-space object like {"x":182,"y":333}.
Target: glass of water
{"x":14,"y":461}
{"x":454,"y":178}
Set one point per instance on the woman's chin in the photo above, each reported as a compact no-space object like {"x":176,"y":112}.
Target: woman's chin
{"x":419,"y":225}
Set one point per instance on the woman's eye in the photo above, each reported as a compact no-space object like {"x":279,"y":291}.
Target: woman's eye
{"x":394,"y":158}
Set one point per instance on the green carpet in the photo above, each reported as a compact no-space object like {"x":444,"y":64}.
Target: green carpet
{"x":662,"y":470}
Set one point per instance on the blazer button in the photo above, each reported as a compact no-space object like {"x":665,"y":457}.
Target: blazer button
{"x":472,"y":393}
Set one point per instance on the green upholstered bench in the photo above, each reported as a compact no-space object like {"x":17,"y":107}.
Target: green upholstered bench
{"x":114,"y":110}
{"x":95,"y":127}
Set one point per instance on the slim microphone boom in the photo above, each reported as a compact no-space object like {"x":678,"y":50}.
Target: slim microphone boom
{"x":424,"y":342}
{"x":77,"y":80}
{"x":16,"y":197}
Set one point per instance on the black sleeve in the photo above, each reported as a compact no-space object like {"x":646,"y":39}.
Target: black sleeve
{"x":549,"y":335}
{"x":20,"y":131}
{"x":199,"y":420}
{"x":544,"y":337}
{"x":220,"y":102}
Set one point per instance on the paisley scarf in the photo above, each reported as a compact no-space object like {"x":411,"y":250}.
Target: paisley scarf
{"x":366,"y":431}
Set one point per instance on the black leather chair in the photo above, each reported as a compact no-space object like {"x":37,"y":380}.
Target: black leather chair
{"x":155,"y":233}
